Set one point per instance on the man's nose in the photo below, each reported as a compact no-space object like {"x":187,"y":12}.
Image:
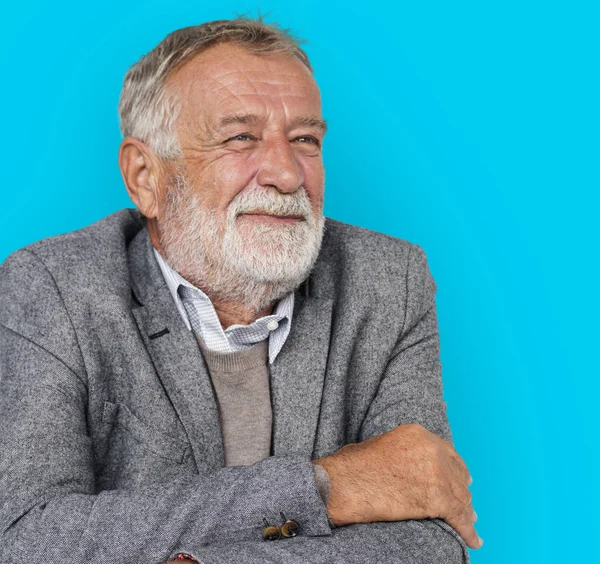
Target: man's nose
{"x":279,"y":167}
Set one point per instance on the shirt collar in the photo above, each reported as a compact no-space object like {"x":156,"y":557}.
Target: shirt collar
{"x":283,"y":312}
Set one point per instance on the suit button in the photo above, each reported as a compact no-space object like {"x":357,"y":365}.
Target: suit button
{"x":270,"y":533}
{"x":289,"y":528}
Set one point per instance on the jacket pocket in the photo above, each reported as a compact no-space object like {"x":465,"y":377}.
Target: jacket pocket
{"x":118,"y":416}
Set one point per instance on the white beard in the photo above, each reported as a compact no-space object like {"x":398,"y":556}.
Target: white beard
{"x":240,"y":260}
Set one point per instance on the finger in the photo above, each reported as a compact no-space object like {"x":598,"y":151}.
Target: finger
{"x":461,"y":516}
{"x":460,"y":506}
{"x":465,"y":508}
{"x":457,"y":458}
{"x":462,"y":472}
{"x":467,"y":531}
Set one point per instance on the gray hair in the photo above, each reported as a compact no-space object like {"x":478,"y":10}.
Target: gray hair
{"x":148,"y":110}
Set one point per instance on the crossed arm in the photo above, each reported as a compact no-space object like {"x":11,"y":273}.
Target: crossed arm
{"x":403,"y":475}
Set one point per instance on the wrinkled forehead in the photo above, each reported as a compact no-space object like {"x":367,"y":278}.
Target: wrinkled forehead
{"x":228,"y":79}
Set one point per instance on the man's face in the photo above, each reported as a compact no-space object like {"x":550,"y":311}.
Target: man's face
{"x":250,"y":129}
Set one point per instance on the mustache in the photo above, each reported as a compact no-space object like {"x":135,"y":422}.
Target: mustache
{"x":272,"y":202}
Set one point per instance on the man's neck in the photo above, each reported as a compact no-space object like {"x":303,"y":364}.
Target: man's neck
{"x":236,"y":314}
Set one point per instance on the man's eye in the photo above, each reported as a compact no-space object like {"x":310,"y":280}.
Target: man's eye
{"x":307,"y":139}
{"x":242,"y":137}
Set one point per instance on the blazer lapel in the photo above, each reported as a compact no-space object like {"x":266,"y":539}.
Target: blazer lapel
{"x":297,"y":376}
{"x":176,"y":356}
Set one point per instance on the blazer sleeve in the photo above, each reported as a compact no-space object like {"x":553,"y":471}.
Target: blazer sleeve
{"x":50,"y":511}
{"x":410,"y":390}
{"x":404,"y":542}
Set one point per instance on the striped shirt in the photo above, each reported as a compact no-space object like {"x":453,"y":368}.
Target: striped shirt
{"x":199,"y":314}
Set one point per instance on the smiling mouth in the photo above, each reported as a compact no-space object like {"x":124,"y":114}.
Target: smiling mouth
{"x":272,"y":217}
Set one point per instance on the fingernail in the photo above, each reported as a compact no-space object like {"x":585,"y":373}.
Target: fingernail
{"x":470,"y":479}
{"x":480,"y":542}
{"x":474,"y":517}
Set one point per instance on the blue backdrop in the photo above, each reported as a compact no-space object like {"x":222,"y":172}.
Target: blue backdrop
{"x":470,"y":128}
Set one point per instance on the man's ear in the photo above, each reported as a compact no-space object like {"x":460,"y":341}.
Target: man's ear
{"x":143,"y":176}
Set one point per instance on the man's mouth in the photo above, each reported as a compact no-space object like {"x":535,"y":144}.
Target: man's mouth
{"x":271,"y":218}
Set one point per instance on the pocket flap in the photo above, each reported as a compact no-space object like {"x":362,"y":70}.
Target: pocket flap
{"x":156,"y":441}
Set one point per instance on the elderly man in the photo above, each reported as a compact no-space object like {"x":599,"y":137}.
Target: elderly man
{"x":224,"y":365}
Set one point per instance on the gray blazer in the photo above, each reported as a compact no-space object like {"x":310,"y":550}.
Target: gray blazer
{"x":110,"y":445}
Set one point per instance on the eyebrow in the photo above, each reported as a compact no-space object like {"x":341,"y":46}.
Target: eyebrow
{"x":310,"y":122}
{"x":253,"y":119}
{"x":231,"y":119}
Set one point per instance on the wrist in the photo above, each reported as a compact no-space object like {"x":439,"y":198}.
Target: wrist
{"x":341,"y":504}
{"x":322,"y":482}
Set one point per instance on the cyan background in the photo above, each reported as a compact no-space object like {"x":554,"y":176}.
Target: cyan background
{"x":470,"y":128}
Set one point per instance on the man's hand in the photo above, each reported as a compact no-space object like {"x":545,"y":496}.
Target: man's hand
{"x":406,"y":473}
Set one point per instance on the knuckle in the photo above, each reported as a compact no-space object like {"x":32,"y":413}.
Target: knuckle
{"x":467,"y":497}
{"x":464,"y":507}
{"x":461,"y":466}
{"x":461,"y":492}
{"x":460,"y":513}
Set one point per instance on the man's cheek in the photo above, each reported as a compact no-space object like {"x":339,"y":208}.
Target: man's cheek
{"x":233,"y":180}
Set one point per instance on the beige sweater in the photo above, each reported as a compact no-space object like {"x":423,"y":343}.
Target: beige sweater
{"x":241,"y":383}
